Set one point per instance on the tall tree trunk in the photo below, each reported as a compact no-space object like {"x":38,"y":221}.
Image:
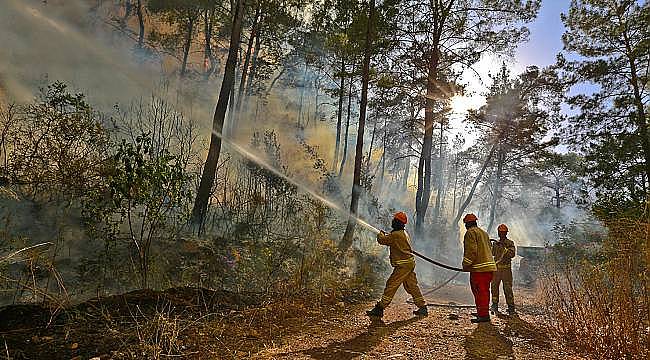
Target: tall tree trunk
{"x":423,"y":193}
{"x":255,"y":63}
{"x":347,"y":128}
{"x":339,"y":115}
{"x":346,"y":242}
{"x":478,"y":178}
{"x":302,"y":93}
{"x":141,"y":24}
{"x":210,"y":168}
{"x":128,"y":9}
{"x":253,"y":73}
{"x":208,"y":56}
{"x":642,"y":120}
{"x":372,"y":143}
{"x":380,"y":187}
{"x":642,"y":123}
{"x":407,"y":173}
{"x":496,"y":195}
{"x":188,"y":43}
{"x":440,"y":190}
{"x":275,"y":79}
{"x":317,"y":88}
{"x":230,"y":119}
{"x":244,"y":71}
{"x":407,"y":159}
{"x":557,"y":192}
{"x":453,"y":207}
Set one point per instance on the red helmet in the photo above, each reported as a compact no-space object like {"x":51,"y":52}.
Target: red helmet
{"x":469,"y":218}
{"x":502,"y":228}
{"x":401,"y":216}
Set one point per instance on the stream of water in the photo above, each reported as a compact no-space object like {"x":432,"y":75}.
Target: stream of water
{"x":259,"y":161}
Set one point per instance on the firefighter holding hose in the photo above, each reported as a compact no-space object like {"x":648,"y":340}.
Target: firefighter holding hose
{"x":403,"y":262}
{"x":503,"y":251}
{"x":477,"y":259}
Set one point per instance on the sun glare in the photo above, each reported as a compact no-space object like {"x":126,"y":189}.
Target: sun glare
{"x":461,"y":104}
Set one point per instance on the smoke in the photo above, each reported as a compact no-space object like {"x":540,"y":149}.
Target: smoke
{"x":50,"y":40}
{"x":69,"y":41}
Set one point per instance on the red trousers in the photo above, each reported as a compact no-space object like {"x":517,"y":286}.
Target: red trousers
{"x":480,"y":284}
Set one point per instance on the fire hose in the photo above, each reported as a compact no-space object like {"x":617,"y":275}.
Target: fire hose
{"x":437,"y":263}
{"x":425,"y":258}
{"x":458,"y":271}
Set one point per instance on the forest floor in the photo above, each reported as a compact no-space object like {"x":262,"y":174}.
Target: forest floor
{"x":192,"y":323}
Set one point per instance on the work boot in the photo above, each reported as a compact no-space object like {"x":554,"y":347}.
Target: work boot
{"x":422,"y":311}
{"x":511,"y":310}
{"x":481,"y":319}
{"x":377,"y":311}
{"x":494,"y":308}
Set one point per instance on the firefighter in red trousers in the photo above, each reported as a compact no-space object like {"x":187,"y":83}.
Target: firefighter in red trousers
{"x":478,"y":260}
{"x":403,"y":262}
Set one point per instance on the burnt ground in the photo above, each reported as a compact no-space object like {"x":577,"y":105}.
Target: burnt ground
{"x":190,"y":323}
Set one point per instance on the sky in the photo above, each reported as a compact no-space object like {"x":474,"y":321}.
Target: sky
{"x":545,"y":35}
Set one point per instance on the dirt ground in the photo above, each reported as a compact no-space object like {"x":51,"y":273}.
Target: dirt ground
{"x":192,"y":323}
{"x":446,"y":333}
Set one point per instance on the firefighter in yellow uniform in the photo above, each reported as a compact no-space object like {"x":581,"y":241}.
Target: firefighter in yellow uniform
{"x":477,"y":259}
{"x":503,"y":251}
{"x":403,"y":262}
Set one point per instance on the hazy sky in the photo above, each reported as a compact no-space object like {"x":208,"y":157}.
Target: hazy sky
{"x":541,"y":49}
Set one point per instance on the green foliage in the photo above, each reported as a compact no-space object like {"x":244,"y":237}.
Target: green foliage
{"x":144,"y":189}
{"x":54,"y":147}
{"x":611,"y":41}
{"x":140,"y":179}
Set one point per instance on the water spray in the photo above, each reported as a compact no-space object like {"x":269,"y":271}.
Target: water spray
{"x":329,"y":203}
{"x":25,"y":253}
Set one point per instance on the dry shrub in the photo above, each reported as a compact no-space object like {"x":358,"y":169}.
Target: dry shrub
{"x":600,"y":303}
{"x":158,"y":334}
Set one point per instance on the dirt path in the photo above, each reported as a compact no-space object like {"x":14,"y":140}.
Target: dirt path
{"x":446,"y":333}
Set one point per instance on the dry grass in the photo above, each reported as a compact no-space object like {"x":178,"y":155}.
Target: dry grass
{"x":600,"y":305}
{"x":158,"y":334}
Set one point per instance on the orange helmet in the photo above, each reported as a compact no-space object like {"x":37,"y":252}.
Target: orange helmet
{"x":469,"y":218}
{"x":401,"y":216}
{"x":503,"y":228}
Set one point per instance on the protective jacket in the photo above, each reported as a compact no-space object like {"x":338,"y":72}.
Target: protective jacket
{"x":399,"y":243}
{"x":503,"y":252}
{"x":477,"y":254}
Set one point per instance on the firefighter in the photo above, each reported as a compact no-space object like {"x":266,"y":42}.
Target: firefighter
{"x":403,"y":263}
{"x":477,"y":259}
{"x":503,"y":251}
